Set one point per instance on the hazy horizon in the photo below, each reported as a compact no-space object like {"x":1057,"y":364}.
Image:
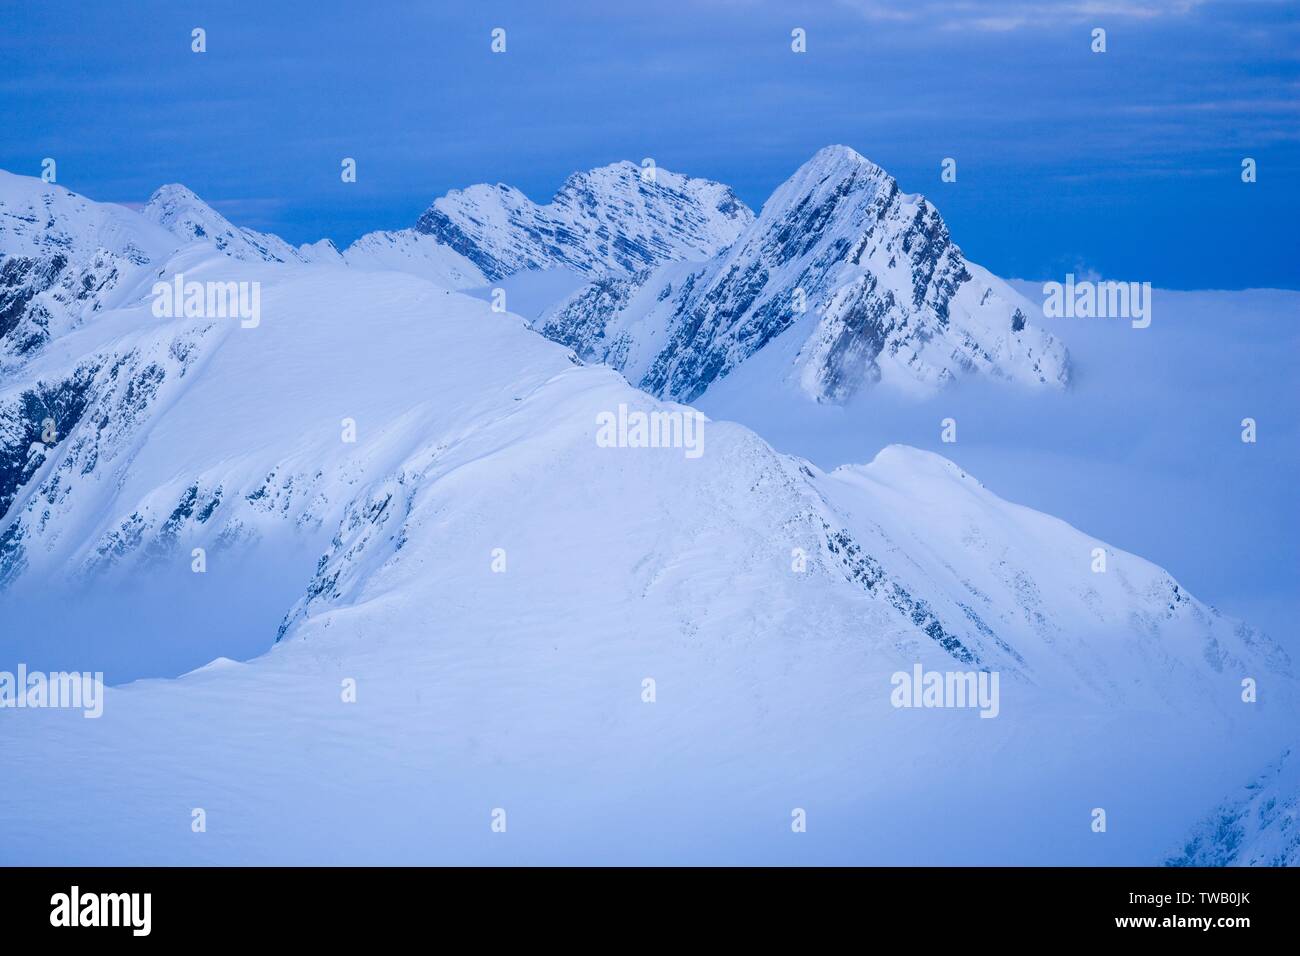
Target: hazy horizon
{"x":1125,"y":163}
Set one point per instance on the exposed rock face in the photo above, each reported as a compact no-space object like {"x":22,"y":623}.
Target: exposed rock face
{"x":610,"y":220}
{"x":867,"y":275}
{"x":64,"y":258}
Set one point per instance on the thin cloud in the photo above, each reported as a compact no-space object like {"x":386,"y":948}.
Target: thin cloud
{"x":1006,"y":17}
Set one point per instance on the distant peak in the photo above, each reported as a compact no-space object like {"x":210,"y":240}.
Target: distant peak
{"x":622,"y":165}
{"x":658,"y":216}
{"x":838,"y":153}
{"x":844,"y":159}
{"x":178,"y":210}
{"x":622,"y":173}
{"x":908,"y":460}
{"x":173,"y":194}
{"x":174,"y":202}
{"x":831,"y":174}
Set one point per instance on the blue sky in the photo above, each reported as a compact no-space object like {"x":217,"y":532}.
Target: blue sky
{"x":1125,"y":163}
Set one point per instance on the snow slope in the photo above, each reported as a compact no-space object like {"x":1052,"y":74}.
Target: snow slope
{"x":406,"y":250}
{"x":769,"y":601}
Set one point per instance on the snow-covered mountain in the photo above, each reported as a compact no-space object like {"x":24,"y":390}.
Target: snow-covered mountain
{"x":190,"y":219}
{"x":614,"y":220}
{"x":406,"y":250}
{"x":500,"y":584}
{"x":151,"y":451}
{"x":854,"y":281}
{"x":1260,"y":826}
{"x":861,"y":282}
{"x":64,"y":258}
{"x":608,"y":221}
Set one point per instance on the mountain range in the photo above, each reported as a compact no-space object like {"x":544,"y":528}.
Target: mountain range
{"x":501,"y":584}
{"x":680,"y":282}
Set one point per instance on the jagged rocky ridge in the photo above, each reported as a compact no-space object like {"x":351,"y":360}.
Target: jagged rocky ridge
{"x":864,"y":277}
{"x":615,"y":220}
{"x":63,"y":259}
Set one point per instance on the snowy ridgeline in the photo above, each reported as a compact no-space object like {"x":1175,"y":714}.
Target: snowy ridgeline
{"x":488,"y":586}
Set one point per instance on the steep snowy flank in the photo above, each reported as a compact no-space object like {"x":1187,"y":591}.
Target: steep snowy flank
{"x":64,"y":258}
{"x":188,"y":217}
{"x":614,"y":219}
{"x":1258,"y":827}
{"x":863,"y":277}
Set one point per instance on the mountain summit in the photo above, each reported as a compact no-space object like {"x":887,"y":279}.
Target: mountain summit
{"x":179,"y":211}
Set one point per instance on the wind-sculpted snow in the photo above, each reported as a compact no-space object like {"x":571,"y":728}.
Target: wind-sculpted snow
{"x":865,"y":277}
{"x":991,"y":586}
